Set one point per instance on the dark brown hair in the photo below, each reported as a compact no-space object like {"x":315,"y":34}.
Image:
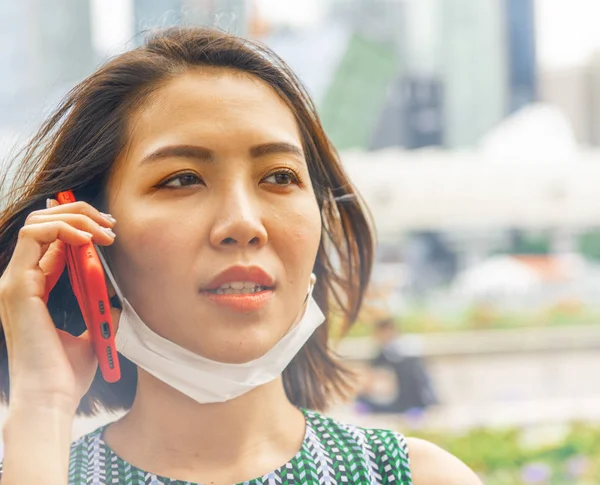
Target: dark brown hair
{"x":77,"y":145}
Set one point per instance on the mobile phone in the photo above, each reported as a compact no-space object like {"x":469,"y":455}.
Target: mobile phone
{"x":89,"y":286}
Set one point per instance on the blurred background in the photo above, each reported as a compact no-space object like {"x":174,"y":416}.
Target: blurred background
{"x":471,"y":128}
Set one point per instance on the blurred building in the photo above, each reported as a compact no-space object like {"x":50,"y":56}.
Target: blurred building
{"x":413,"y":114}
{"x":365,"y":90}
{"x":575,"y":90}
{"x":473,"y":68}
{"x":522,"y":59}
{"x":46,"y":48}
{"x":487,"y":62}
{"x":409,"y":73}
{"x":569,"y":90}
{"x":435,"y":72}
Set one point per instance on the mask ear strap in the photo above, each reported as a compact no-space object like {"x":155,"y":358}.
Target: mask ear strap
{"x":108,"y":272}
{"x":311,"y":286}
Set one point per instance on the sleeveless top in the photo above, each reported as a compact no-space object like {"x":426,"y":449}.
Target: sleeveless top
{"x":331,"y":453}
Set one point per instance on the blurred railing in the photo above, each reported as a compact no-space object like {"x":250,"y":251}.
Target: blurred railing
{"x":502,"y":377}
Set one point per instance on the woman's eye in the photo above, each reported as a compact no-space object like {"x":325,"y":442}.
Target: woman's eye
{"x":182,"y":180}
{"x":282,"y":178}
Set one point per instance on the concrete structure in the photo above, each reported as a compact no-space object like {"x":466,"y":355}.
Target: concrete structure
{"x":435,"y":190}
{"x":569,"y":90}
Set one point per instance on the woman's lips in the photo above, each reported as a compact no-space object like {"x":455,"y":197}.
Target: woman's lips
{"x":254,"y":274}
{"x":241,"y":302}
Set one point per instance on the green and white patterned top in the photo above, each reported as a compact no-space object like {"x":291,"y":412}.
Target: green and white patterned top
{"x":332,"y":453}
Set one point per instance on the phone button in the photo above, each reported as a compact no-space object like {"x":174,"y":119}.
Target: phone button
{"x":101,"y":306}
{"x":109,"y":354}
{"x":105,"y":329}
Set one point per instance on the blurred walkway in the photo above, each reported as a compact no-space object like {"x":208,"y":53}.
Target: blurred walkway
{"x":458,"y":418}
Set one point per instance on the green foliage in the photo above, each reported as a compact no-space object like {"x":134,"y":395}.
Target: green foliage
{"x":589,"y":244}
{"x":532,"y":244}
{"x":484,"y":317}
{"x":549,"y":454}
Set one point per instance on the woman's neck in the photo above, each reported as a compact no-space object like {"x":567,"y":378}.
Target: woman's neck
{"x":172,"y":435}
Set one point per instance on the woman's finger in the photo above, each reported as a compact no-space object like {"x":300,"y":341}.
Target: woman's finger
{"x":102,"y":235}
{"x":79,"y":207}
{"x":53,"y":264}
{"x":34,"y":240}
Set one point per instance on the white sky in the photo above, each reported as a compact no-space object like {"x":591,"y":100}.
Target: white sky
{"x":568,"y":31}
{"x":112,"y":25}
{"x":294,"y":12}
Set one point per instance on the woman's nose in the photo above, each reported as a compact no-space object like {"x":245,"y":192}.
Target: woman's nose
{"x":238,"y":223}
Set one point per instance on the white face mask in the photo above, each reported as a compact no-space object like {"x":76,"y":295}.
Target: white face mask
{"x":202,"y":379}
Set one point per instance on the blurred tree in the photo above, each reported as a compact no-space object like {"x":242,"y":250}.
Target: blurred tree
{"x":589,"y":244}
{"x":528,"y":243}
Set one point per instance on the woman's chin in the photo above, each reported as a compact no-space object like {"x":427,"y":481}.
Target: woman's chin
{"x":240,"y":353}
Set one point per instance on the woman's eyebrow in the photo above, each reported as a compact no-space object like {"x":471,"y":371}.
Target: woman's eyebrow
{"x":182,"y":151}
{"x":276,"y":148}
{"x":206,"y":155}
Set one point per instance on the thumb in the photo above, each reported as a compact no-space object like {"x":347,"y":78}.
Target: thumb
{"x":53,"y":264}
{"x":82,"y":358}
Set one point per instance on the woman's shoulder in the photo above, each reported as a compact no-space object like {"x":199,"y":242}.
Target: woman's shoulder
{"x":382,"y":455}
{"x":327,"y":425}
{"x":394,"y":457}
{"x":431,"y":465}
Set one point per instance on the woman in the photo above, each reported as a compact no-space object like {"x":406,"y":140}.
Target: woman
{"x":226,"y":197}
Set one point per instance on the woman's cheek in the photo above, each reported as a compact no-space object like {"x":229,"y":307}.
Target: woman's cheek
{"x":298,"y":221}
{"x":309,"y":227}
{"x":147,"y":241}
{"x":299,"y":235}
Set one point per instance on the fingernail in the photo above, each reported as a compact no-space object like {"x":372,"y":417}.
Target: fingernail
{"x":109,"y":232}
{"x":85,"y":234}
{"x":48,"y":203}
{"x":108,"y":217}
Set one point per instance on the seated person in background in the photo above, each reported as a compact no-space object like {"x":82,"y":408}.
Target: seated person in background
{"x":397,"y":380}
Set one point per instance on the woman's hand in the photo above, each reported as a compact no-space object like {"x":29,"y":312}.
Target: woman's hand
{"x":48,"y":367}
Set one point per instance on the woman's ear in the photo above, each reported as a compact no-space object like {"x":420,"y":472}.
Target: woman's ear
{"x":113,"y":296}
{"x":115,"y":314}
{"x":111,"y":289}
{"x":115,"y":301}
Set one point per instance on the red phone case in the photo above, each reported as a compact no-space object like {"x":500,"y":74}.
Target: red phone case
{"x":87,"y":280}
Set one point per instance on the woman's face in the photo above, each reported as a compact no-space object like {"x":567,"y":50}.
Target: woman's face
{"x":213,"y":191}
